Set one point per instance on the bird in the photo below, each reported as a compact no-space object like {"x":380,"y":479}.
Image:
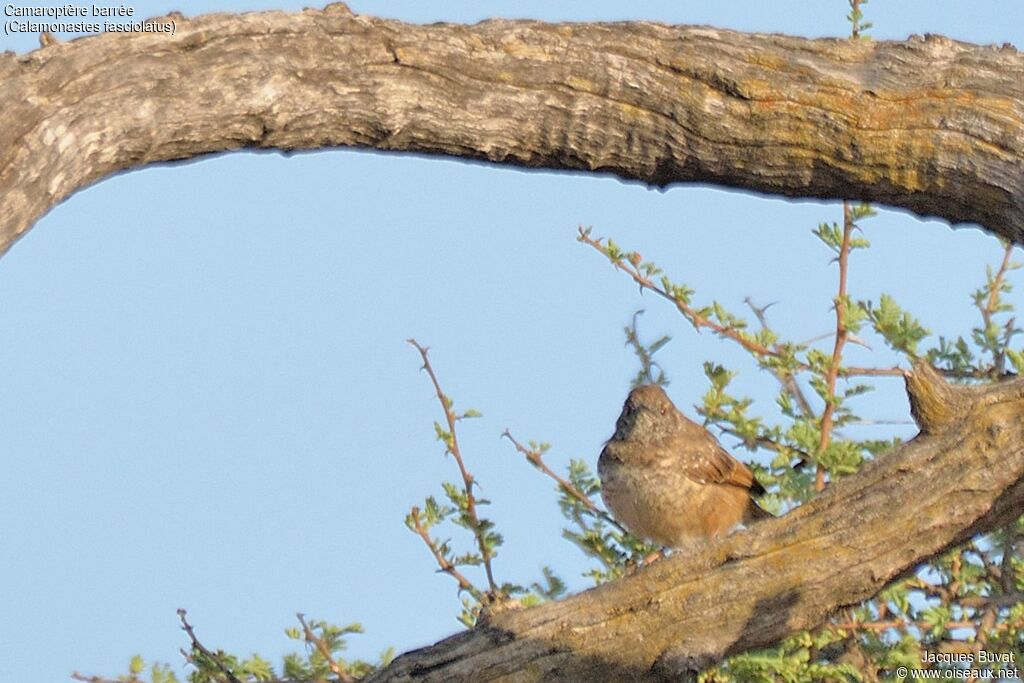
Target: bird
{"x":666,"y":479}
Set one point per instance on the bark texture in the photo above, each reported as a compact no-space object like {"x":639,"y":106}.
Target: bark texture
{"x":963,"y":475}
{"x":928,"y":124}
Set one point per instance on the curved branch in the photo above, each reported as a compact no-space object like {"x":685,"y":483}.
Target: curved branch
{"x":964,"y":475}
{"x":928,"y":124}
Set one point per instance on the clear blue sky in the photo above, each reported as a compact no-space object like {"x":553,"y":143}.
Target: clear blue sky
{"x":208,"y":402}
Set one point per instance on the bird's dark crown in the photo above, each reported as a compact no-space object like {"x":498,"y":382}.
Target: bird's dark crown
{"x":650,"y":396}
{"x":645,"y":405}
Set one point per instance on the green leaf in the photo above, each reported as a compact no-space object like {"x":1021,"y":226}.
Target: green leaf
{"x":900,"y":330}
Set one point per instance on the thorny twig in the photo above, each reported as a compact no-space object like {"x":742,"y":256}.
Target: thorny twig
{"x":442,"y":562}
{"x":786,"y":379}
{"x":535,"y":458}
{"x":196,"y":645}
{"x":827,"y":416}
{"x":99,"y":679}
{"x":321,"y":646}
{"x":467,"y":478}
{"x":698,"y":320}
{"x":988,"y":309}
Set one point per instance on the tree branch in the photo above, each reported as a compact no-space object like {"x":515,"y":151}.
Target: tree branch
{"x":962,"y":476}
{"x":887,"y":122}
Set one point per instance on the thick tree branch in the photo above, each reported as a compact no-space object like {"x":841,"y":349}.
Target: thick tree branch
{"x":928,"y":124}
{"x":964,"y":475}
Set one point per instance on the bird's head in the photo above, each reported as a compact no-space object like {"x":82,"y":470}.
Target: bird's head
{"x":647,"y":406}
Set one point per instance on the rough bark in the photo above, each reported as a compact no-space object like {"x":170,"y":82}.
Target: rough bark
{"x":963,"y":475}
{"x":929,"y":124}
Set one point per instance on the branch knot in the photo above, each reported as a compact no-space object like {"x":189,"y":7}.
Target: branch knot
{"x":932,"y":399}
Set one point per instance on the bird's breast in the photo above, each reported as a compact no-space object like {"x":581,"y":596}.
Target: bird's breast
{"x":657,"y":503}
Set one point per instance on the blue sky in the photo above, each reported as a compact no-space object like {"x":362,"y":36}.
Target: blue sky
{"x":208,"y":401}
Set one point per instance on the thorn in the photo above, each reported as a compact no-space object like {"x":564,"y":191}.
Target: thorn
{"x":854,"y":339}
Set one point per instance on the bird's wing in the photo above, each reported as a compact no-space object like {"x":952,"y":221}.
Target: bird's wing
{"x":712,"y":464}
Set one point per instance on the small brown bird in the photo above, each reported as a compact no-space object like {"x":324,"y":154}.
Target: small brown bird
{"x":667,"y":479}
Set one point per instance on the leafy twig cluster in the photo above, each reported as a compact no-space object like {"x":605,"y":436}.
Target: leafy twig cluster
{"x":463,"y":509}
{"x":321,"y":663}
{"x":969,"y":601}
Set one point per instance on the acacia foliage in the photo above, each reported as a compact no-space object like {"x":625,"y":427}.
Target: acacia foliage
{"x":953,"y":613}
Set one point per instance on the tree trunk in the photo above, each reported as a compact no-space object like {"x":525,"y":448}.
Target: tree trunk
{"x":929,"y":124}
